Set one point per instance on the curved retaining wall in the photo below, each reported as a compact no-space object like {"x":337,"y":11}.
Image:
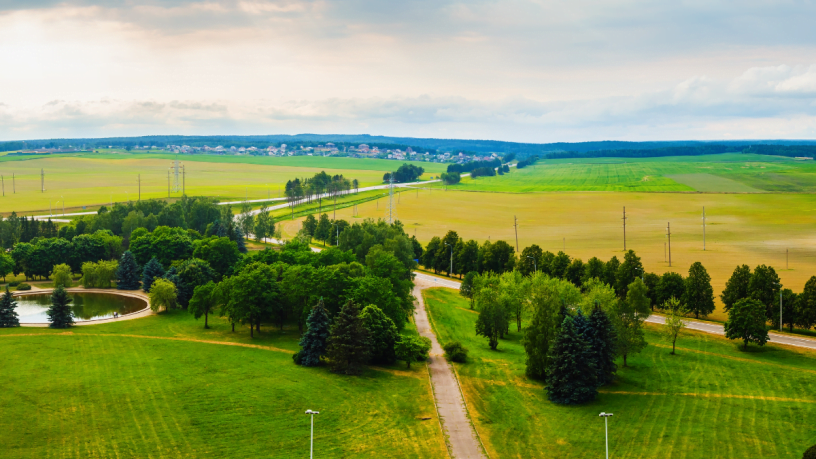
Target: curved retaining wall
{"x":128,"y":293}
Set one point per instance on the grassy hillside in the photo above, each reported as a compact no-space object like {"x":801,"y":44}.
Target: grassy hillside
{"x":89,"y":180}
{"x":733,"y":173}
{"x":709,"y":400}
{"x":164,"y":387}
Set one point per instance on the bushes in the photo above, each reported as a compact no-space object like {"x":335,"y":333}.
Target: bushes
{"x":98,"y":275}
{"x":455,"y":352}
{"x":810,"y":453}
{"x":23,"y":286}
{"x":14,"y":284}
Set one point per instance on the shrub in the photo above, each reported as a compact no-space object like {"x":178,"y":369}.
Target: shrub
{"x":62,"y":276}
{"x":810,"y":453}
{"x":298,"y":358}
{"x":455,"y":352}
{"x":23,"y":286}
{"x":14,"y":284}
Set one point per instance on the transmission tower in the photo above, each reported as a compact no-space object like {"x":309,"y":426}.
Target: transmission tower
{"x":391,"y":210}
{"x":176,"y":167}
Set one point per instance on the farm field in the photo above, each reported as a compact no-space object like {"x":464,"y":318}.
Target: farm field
{"x":90,"y":180}
{"x":728,"y":173}
{"x":709,"y":400}
{"x":741,"y":228}
{"x":120,"y":390}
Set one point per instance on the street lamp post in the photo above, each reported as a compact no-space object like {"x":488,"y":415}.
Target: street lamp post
{"x":535,"y":265}
{"x":606,"y":416}
{"x":311,"y":441}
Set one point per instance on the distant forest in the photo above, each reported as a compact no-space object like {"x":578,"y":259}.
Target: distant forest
{"x":608,"y":148}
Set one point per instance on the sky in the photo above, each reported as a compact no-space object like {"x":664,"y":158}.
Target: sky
{"x":526,"y":71}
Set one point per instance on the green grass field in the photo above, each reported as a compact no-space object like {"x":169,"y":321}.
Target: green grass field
{"x":163,"y":387}
{"x":729,"y":173}
{"x":93,"y":179}
{"x":709,"y":400}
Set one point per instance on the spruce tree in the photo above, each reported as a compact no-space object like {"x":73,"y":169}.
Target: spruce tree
{"x":571,"y":375}
{"x":348,"y":348}
{"x":313,"y":343}
{"x":128,"y":272}
{"x":60,"y":314}
{"x":8,"y":315}
{"x":602,"y":342}
{"x":239,"y":240}
{"x":181,"y":288}
{"x":152,"y":271}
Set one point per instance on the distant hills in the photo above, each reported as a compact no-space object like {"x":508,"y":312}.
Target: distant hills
{"x":606,"y":148}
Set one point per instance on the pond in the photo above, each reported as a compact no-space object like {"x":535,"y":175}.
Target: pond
{"x":86,"y":306}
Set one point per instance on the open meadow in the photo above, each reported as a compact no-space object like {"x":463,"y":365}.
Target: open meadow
{"x":164,"y":387}
{"x":740,"y":228}
{"x":94,"y":179}
{"x":710,"y":400}
{"x":726,"y":173}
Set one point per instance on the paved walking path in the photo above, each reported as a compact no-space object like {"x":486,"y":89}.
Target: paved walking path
{"x":461,"y":436}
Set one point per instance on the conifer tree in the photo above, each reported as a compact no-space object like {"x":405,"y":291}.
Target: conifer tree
{"x":60,"y":314}
{"x":384,"y":334}
{"x":239,"y":240}
{"x":348,"y":348}
{"x":152,"y":271}
{"x":8,"y":315}
{"x":313,"y":343}
{"x":571,"y":375}
{"x":602,"y":342}
{"x":128,"y":272}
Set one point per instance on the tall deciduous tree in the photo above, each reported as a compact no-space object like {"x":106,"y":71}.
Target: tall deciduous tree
{"x":764,"y":286}
{"x":264,"y":224}
{"x":571,"y":375}
{"x":736,"y":288}
{"x":531,"y":259}
{"x":313,"y":343}
{"x":8,"y":315}
{"x":204,"y":301}
{"x":6,"y":265}
{"x":806,"y":305}
{"x":467,"y":285}
{"x":323,"y":230}
{"x":492,"y":321}
{"x":152,"y":271}
{"x":670,"y":285}
{"x":60,"y":314}
{"x":698,"y":296}
{"x":628,"y":271}
{"x":629,"y":316}
{"x":127,"y":273}
{"x":349,"y":342}
{"x":675,"y":311}
{"x":62,"y":276}
{"x":162,"y":294}
{"x":383,"y":333}
{"x":746,"y":321}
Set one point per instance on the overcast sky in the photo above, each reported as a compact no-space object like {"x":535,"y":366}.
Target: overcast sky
{"x":531,"y":71}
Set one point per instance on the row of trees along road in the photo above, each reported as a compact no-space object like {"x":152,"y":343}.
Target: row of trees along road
{"x":306,"y":190}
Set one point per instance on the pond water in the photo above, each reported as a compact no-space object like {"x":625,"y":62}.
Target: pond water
{"x":86,"y":306}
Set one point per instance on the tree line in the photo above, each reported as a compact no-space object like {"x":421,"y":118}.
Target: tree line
{"x":404,"y":174}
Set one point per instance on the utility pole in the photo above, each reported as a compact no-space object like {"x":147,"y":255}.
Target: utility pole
{"x":704,"y":245}
{"x":668,"y":233}
{"x":624,"y":228}
{"x":168,"y":184}
{"x":183,"y":180}
{"x":515,"y":225}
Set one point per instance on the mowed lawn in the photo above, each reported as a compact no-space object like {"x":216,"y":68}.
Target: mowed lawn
{"x":91,"y":180}
{"x":729,"y":173}
{"x":740,"y":228}
{"x":710,"y":400}
{"x":154,"y":388}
